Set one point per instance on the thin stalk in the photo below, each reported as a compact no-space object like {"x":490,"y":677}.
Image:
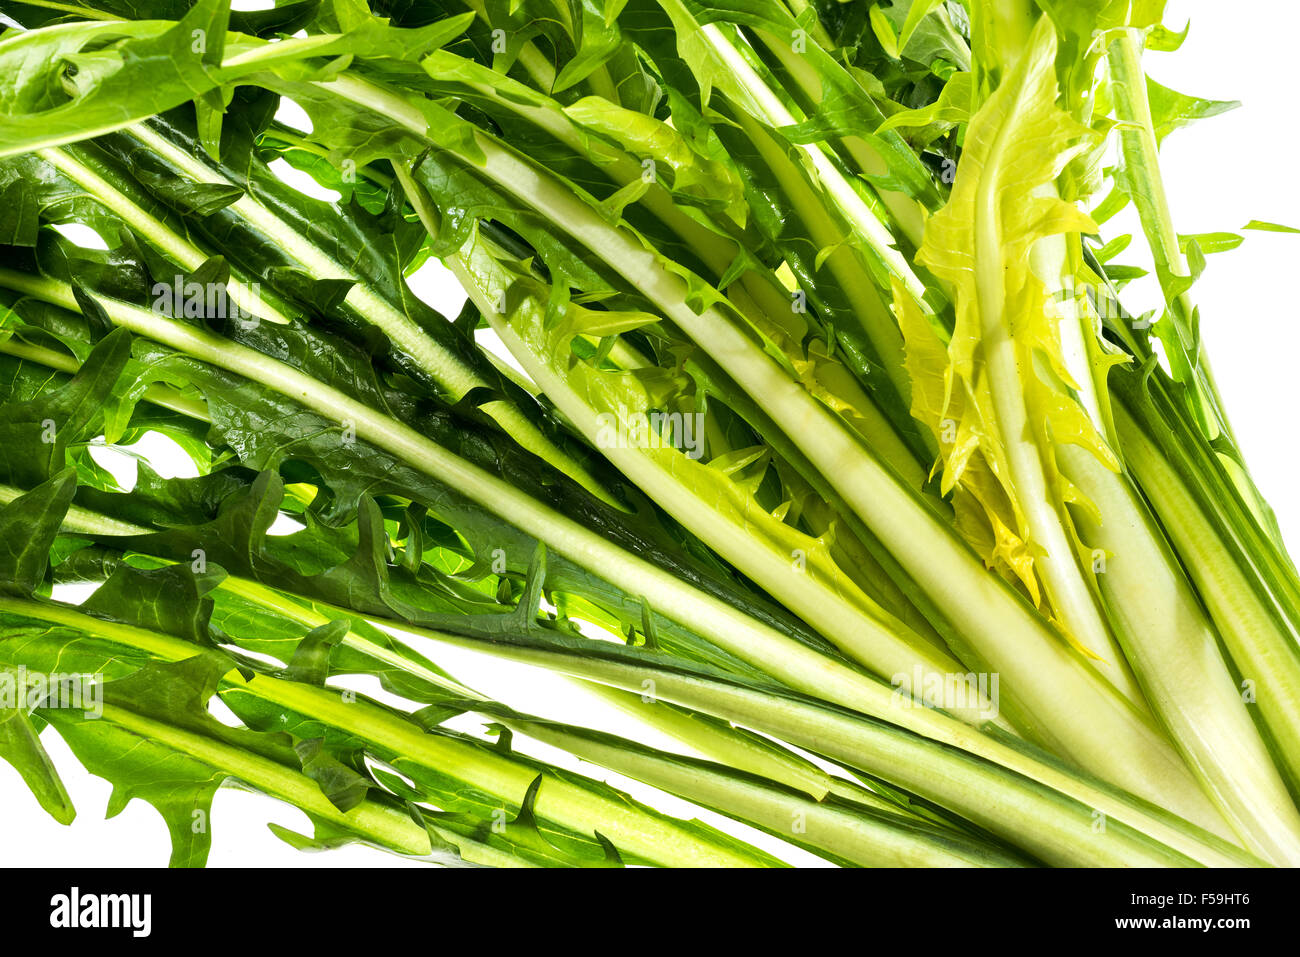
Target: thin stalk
{"x":1058,"y":699}
{"x":1150,"y":401}
{"x":1141,"y":155}
{"x":865,"y":838}
{"x":849,"y":272}
{"x":1175,"y":654}
{"x":727,"y":627}
{"x":571,"y":806}
{"x":1259,"y":636}
{"x":387,"y":825}
{"x":444,"y":367}
{"x":866,"y":221}
{"x":1037,"y":804}
{"x":157,"y":233}
{"x":856,"y":624}
{"x":271,"y":600}
{"x":906,"y":211}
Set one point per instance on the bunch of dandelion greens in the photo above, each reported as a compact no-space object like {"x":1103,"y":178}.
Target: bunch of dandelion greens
{"x":821,"y":407}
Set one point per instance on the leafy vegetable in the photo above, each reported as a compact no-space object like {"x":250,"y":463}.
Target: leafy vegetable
{"x":826,"y":432}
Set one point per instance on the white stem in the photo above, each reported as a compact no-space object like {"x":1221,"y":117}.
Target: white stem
{"x":445,"y":368}
{"x":774,"y":113}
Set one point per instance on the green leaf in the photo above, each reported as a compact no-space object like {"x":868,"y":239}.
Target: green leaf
{"x":884,"y":31}
{"x":951,"y":108}
{"x":1171,"y":110}
{"x":121,"y":72}
{"x":159,"y":770}
{"x":1270,"y":227}
{"x":311,"y":659}
{"x":917,"y":11}
{"x":343,"y":786}
{"x":36,"y":435}
{"x":168,"y":600}
{"x":28,"y":526}
{"x":19,"y":211}
{"x":1210,"y":242}
{"x":20,"y":745}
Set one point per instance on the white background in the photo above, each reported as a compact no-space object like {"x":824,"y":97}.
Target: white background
{"x":1219,"y":174}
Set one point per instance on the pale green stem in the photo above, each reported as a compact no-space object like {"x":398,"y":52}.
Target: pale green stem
{"x":1264,"y":649}
{"x":168,"y":241}
{"x":772,"y":111}
{"x":1175,"y":654}
{"x":568,"y":805}
{"x":855,"y":623}
{"x":1071,"y":708}
{"x":726,"y":626}
{"x":445,"y":368}
{"x":994,"y":797}
{"x":160,"y":395}
{"x":859,"y":838}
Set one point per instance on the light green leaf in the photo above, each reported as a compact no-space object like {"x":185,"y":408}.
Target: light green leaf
{"x":1270,"y":227}
{"x":1210,"y":242}
{"x":917,"y":12}
{"x":884,"y":31}
{"x":1171,"y":110}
